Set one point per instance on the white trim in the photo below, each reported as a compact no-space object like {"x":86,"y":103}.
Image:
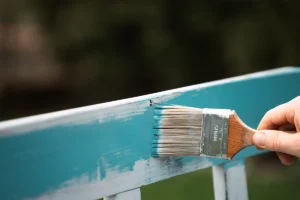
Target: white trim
{"x":237,"y":183}
{"x":219,"y":182}
{"x":230,"y":183}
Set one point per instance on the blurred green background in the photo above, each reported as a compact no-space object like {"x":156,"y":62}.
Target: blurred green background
{"x":60,"y":54}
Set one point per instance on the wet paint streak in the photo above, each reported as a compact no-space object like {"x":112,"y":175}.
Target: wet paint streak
{"x":47,"y":159}
{"x":234,"y":163}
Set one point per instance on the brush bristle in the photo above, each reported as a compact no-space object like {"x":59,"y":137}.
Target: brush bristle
{"x":177,"y":131}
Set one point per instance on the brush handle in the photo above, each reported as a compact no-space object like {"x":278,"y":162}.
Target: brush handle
{"x":240,"y":135}
{"x":247,"y":132}
{"x":240,"y":131}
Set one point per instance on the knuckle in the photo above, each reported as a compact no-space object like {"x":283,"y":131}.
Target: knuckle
{"x":276,"y":141}
{"x":276,"y":109}
{"x":297,"y":117}
{"x":296,"y":144}
{"x":273,"y":142}
{"x":294,"y":102}
{"x":269,"y":113}
{"x":297,"y":98}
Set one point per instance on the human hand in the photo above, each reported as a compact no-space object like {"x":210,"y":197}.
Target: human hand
{"x":271,"y":135}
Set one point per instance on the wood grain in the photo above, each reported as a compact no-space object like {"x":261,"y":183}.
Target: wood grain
{"x":240,"y":135}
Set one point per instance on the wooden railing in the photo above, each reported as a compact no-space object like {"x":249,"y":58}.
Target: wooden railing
{"x":105,"y":150}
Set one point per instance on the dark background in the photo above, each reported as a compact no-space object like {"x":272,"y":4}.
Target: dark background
{"x":60,"y":54}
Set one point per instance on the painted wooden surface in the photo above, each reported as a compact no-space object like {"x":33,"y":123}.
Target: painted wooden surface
{"x":230,"y":182}
{"x":101,"y":150}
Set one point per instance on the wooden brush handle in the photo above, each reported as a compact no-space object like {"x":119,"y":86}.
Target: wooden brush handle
{"x":240,"y":135}
{"x":240,"y":131}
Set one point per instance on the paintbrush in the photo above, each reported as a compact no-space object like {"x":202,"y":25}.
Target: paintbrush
{"x":189,"y":131}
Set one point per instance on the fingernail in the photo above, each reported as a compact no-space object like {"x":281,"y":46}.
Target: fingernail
{"x":259,"y":139}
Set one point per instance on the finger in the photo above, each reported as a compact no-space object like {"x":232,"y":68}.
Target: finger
{"x":287,"y":127}
{"x":297,"y":118}
{"x":278,"y":141}
{"x":282,"y":114}
{"x":285,"y":159}
{"x":258,"y":148}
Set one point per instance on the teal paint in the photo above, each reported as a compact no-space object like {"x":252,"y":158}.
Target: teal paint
{"x":42,"y":160}
{"x":39,"y":162}
{"x":228,"y":165}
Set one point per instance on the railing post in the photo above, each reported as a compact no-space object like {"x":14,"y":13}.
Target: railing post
{"x":128,"y":195}
{"x":230,"y":182}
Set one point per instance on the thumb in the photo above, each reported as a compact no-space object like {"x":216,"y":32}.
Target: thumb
{"x":279,"y":141}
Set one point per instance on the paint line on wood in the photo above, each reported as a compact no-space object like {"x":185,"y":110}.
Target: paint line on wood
{"x":234,"y":163}
{"x":128,"y":195}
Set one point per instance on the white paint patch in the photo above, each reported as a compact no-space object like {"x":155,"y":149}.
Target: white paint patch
{"x":237,"y":183}
{"x":144,"y":172}
{"x":98,"y":171}
{"x":117,"y":110}
{"x":121,"y":112}
{"x":230,"y":183}
{"x":219,"y":182}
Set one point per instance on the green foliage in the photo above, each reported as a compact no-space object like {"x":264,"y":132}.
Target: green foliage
{"x":140,"y":47}
{"x":195,"y":185}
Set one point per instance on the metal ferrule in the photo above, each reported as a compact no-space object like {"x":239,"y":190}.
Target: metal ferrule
{"x":214,"y":137}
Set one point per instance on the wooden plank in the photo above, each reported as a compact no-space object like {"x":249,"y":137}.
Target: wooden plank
{"x":101,"y":150}
{"x":230,"y":182}
{"x":128,"y":195}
